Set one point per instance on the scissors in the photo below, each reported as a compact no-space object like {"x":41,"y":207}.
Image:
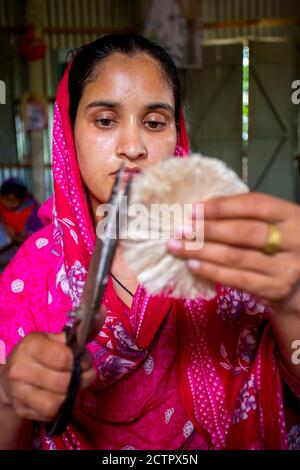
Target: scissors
{"x":87,"y":314}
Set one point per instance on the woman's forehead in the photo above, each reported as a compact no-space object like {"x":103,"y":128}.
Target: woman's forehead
{"x":123,"y":77}
{"x":140,"y":61}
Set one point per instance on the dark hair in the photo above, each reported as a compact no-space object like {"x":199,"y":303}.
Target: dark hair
{"x":90,"y":55}
{"x":14,"y":186}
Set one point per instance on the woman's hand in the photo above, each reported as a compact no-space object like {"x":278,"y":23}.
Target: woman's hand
{"x":235,"y":234}
{"x":236,"y":230}
{"x":35,"y":380}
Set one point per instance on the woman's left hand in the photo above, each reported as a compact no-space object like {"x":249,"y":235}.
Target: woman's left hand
{"x":236,"y":230}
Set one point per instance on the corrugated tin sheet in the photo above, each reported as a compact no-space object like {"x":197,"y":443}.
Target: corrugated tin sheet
{"x":72,"y":14}
{"x":79,"y":15}
{"x":236,"y":10}
{"x":12,"y":16}
{"x":11,"y":12}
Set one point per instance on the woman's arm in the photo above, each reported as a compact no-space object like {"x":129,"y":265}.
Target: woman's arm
{"x":16,"y":432}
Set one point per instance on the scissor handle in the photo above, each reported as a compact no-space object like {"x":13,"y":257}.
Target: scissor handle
{"x":59,"y":425}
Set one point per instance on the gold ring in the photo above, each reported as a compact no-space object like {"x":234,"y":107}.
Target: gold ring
{"x":274,"y":239}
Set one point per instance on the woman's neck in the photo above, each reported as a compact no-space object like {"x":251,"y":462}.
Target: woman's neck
{"x":125,"y":276}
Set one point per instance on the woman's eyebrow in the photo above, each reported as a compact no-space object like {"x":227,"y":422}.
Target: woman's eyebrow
{"x":115,"y":104}
{"x":104,"y":103}
{"x":166,"y":106}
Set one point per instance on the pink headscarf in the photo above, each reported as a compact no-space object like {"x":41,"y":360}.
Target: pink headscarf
{"x":170,"y":374}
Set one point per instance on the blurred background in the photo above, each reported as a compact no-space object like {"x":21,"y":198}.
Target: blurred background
{"x":238,"y":59}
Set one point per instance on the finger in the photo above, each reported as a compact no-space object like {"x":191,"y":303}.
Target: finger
{"x":50,"y":353}
{"x":245,"y":233}
{"x":87,"y":378}
{"x":36,"y":375}
{"x":251,"y":205}
{"x":58,"y":337}
{"x":249,"y":260}
{"x":241,"y":233}
{"x":85,"y":361}
{"x":44,"y":404}
{"x":257,"y":284}
{"x":252,"y":234}
{"x":25,"y":412}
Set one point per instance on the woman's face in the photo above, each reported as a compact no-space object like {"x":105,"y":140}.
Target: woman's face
{"x":126,"y":114}
{"x":10,"y":201}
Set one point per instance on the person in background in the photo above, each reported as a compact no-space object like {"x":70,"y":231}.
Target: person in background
{"x":18,"y":211}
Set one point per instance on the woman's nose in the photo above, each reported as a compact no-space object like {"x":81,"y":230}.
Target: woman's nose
{"x":131,"y":145}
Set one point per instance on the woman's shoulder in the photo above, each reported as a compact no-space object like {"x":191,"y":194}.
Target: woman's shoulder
{"x":29,"y":300}
{"x":33,"y":258}
{"x":40,"y":238}
{"x":38,"y":244}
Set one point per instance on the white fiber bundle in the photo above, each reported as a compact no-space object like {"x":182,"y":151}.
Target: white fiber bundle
{"x":177,"y":181}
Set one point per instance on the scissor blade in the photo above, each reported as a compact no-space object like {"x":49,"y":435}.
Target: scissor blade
{"x":95,"y":267}
{"x":100,"y":267}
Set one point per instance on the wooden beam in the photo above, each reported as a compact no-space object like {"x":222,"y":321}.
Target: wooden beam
{"x":254,"y":22}
{"x":259,"y":22}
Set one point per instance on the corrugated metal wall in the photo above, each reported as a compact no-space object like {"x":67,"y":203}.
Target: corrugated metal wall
{"x":75,"y":17}
{"x":12,"y":16}
{"x":106,"y":14}
{"x":235,"y":10}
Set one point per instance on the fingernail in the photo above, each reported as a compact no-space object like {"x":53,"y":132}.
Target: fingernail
{"x":174,"y":245}
{"x":198,"y":211}
{"x":187,"y":231}
{"x":193,"y":264}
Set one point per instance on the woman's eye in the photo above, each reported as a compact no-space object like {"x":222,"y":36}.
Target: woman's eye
{"x":155,"y":125}
{"x":105,"y":122}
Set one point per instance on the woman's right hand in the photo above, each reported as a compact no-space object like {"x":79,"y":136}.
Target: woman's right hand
{"x":35,"y":379}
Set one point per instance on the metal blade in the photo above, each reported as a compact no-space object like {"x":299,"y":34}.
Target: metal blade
{"x":99,"y":269}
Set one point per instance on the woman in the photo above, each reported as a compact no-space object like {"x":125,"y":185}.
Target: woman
{"x":18,"y":217}
{"x":161,"y":374}
{"x":18,"y":210}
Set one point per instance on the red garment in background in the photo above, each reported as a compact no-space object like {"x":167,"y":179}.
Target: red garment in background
{"x":17,"y":219}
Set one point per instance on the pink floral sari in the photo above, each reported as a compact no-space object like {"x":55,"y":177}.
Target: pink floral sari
{"x":170,"y":374}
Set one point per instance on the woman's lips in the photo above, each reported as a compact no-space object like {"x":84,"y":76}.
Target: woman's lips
{"x":128,"y":171}
{"x":127,"y":175}
{"x":135,"y":169}
{"x":131,"y":173}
